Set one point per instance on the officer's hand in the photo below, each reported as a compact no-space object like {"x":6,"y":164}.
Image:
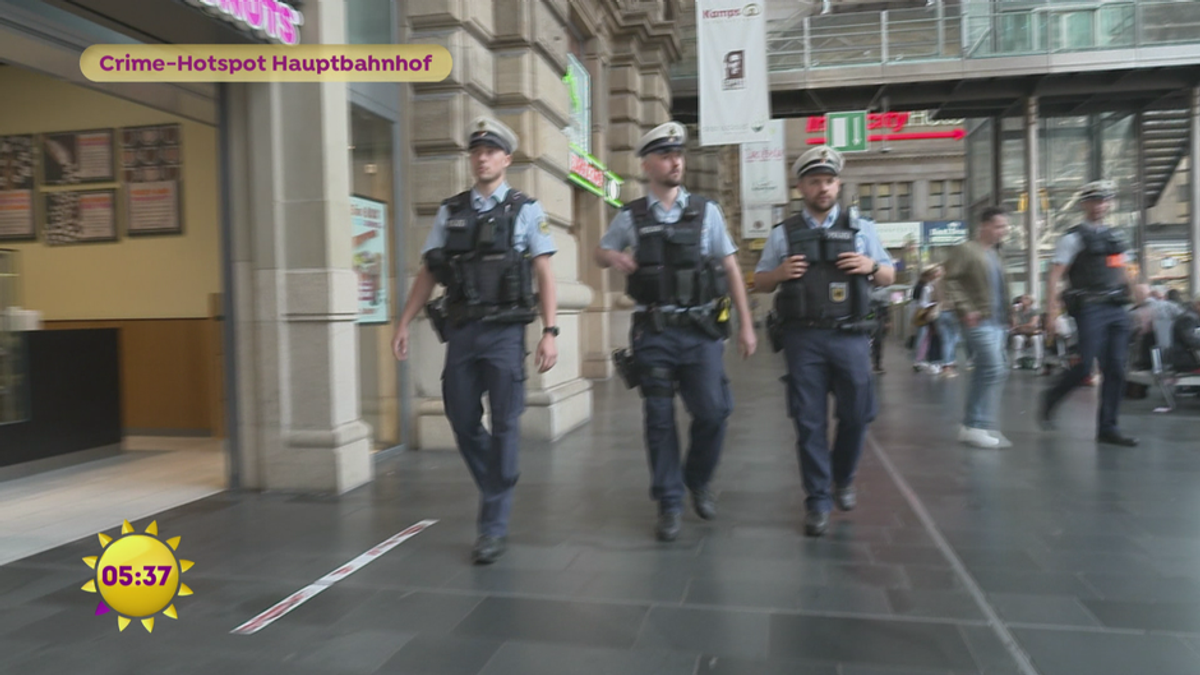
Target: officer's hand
{"x":793,"y":267}
{"x":400,"y":343}
{"x":547,"y":353}
{"x":624,"y":262}
{"x":747,"y":341}
{"x":855,"y":263}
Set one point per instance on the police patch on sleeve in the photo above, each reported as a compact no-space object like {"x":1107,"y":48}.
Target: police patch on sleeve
{"x":544,"y":227}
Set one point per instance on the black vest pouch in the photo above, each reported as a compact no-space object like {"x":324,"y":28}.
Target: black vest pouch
{"x":836,"y":242}
{"x":460,"y":233}
{"x":683,"y":256}
{"x":805,"y":241}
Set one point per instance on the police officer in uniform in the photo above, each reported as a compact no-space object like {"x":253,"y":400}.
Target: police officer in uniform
{"x":486,"y":247}
{"x":680,"y":271}
{"x":1092,"y":256}
{"x":825,"y":263}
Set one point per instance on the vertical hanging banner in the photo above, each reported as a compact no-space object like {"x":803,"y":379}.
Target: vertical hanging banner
{"x":733,"y":83}
{"x":764,"y":168}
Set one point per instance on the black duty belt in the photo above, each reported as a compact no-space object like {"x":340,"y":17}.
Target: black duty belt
{"x":832,"y":324}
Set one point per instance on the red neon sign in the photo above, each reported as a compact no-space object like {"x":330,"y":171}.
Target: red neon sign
{"x":956,"y":134}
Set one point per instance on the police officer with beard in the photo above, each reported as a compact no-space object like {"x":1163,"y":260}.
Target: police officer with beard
{"x":825,"y":262}
{"x":680,"y":272}
{"x":1092,"y":256}
{"x":486,"y":247}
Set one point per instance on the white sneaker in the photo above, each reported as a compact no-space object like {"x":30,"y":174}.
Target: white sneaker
{"x":977,"y":437}
{"x":1002,"y":441}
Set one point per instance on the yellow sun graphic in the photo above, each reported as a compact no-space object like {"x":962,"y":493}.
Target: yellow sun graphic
{"x":137,"y":576}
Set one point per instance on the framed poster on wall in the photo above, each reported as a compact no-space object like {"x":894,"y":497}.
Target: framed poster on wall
{"x":369,"y":220}
{"x":80,"y":216}
{"x":77,"y":157}
{"x":152,"y":168}
{"x":16,"y":188}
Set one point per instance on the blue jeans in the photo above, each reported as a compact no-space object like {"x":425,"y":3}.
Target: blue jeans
{"x":951,"y":332}
{"x":986,"y":341}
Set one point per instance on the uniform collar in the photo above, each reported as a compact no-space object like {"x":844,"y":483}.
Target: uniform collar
{"x":680,"y":198}
{"x":497,"y":196}
{"x":830,"y":218}
{"x":1094,"y":226}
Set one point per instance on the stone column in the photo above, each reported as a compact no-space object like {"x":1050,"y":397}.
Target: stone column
{"x":594,"y":216}
{"x":297,"y":348}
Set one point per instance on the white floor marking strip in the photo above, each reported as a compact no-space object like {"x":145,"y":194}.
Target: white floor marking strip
{"x":308,"y":592}
{"x":1002,"y":632}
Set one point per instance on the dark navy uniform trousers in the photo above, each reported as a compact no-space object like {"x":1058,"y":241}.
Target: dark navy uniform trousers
{"x":1103,"y":331}
{"x":694,"y":359}
{"x":821,"y":361}
{"x":487,"y":357}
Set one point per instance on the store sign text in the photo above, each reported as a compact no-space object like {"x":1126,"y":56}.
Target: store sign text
{"x":271,"y":19}
{"x":896,"y":122}
{"x":592,"y":175}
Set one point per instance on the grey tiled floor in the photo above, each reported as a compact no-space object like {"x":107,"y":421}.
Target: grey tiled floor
{"x":1090,"y":556}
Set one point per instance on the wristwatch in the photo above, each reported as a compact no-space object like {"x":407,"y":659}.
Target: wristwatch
{"x":874,"y":270}
{"x":553,"y":330}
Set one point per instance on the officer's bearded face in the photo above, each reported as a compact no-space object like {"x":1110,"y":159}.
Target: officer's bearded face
{"x":1096,"y":209}
{"x":664,"y":168}
{"x":488,"y":162}
{"x":820,"y":191}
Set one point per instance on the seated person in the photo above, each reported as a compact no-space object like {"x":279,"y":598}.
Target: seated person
{"x":1027,"y":330}
{"x":1185,"y":336}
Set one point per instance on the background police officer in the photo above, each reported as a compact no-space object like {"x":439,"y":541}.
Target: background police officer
{"x":1093,"y":257}
{"x":680,"y":272}
{"x":484,"y":246}
{"x":826,"y":260}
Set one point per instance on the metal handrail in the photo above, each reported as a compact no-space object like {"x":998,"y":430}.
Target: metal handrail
{"x":877,"y":38}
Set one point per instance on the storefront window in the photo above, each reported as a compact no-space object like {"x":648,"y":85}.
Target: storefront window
{"x":904,"y":201}
{"x":374,"y":231}
{"x":369,"y":22}
{"x":936,"y":200}
{"x":866,"y":202}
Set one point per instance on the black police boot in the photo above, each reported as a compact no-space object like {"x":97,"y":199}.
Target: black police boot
{"x":705,"y":503}
{"x":846,"y":498}
{"x":669,"y":524}
{"x":1116,"y":438}
{"x":488,"y":550}
{"x":815,"y":523}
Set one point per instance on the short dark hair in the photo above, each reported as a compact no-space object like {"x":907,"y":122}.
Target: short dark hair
{"x":991,"y":212}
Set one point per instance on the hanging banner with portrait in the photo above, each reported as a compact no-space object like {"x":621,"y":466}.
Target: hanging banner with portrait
{"x":732,"y":78}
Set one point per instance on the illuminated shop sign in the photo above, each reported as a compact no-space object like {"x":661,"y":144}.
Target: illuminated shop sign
{"x":268,"y":19}
{"x":587,"y":172}
{"x":890,"y":127}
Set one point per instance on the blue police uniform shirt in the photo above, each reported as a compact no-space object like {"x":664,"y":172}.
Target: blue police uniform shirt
{"x":866,"y":241}
{"x":528,"y":234}
{"x":714,"y":238}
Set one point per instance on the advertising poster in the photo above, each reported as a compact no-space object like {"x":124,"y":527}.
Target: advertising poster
{"x":757,"y":221}
{"x":731,"y":48}
{"x":16,"y":188}
{"x":151,"y":167}
{"x":899,"y":235}
{"x":369,"y":222}
{"x":764,"y":173}
{"x":79,"y":216}
{"x":76,"y":157}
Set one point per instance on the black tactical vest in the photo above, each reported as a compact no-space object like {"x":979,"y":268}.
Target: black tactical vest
{"x":825,"y":296}
{"x":1100,"y":265}
{"x":671,"y":269}
{"x":479,"y":264}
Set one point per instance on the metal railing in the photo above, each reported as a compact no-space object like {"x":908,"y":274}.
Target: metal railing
{"x":971,"y":29}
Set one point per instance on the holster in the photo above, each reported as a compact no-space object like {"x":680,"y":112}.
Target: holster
{"x":437,"y":316}
{"x":627,"y":368}
{"x":775,"y":331}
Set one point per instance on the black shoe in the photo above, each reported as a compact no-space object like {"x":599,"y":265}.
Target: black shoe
{"x":1116,"y":438}
{"x":705,"y":503}
{"x":846,"y":498}
{"x":488,"y":550}
{"x":815,"y":523}
{"x":668,"y":526}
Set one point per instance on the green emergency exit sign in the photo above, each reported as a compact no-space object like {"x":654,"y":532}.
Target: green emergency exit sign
{"x":846,"y":131}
